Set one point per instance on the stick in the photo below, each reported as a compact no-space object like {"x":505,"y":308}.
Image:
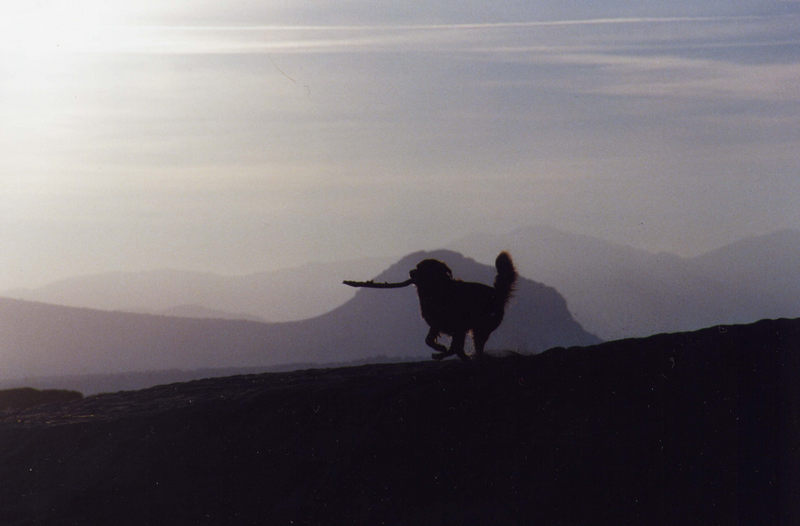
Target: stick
{"x":372,"y":285}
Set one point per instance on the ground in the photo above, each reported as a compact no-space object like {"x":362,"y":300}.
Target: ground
{"x":690,"y":428}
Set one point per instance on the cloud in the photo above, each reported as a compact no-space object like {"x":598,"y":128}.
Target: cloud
{"x":671,"y":76}
{"x":231,"y":39}
{"x":627,"y":56}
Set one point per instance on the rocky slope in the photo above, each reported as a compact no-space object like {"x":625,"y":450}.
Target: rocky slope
{"x":687,"y":428}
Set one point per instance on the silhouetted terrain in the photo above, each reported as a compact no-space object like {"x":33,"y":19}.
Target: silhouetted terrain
{"x":24,"y":397}
{"x":692,"y":428}
{"x":38,"y":339}
{"x":618,"y":291}
{"x":90,"y":384}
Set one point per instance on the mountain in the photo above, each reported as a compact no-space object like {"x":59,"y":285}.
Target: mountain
{"x":199,"y":311}
{"x":612,"y":290}
{"x":281,"y":295}
{"x":617,"y":291}
{"x":692,"y":428}
{"x":766,"y":268}
{"x":38,"y":339}
{"x":536,"y":319}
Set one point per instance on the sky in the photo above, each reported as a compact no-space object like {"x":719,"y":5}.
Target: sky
{"x":241,"y":136}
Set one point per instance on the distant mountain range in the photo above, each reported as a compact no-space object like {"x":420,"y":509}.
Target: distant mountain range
{"x":616,"y":291}
{"x":280,"y":295}
{"x":38,"y":339}
{"x":612,"y":290}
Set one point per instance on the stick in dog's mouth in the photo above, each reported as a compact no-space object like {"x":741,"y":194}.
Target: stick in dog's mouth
{"x":373,"y":285}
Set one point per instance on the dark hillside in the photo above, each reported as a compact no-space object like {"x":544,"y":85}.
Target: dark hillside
{"x":689,"y":428}
{"x":24,"y":397}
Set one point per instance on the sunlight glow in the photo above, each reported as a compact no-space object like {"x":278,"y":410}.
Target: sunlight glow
{"x":34,"y":31}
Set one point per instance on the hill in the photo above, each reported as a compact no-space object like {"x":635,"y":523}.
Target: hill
{"x":276,"y":296}
{"x":613,"y":290}
{"x":25,"y":397}
{"x":39,"y":339}
{"x":618,"y":291}
{"x":689,"y":428}
{"x":763,"y":267}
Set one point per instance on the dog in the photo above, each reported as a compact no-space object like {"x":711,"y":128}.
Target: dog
{"x":456,"y":307}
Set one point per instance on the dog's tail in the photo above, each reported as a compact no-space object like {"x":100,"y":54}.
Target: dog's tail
{"x":505,"y":279}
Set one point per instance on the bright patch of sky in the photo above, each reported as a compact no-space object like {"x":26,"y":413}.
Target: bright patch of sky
{"x":236,"y":137}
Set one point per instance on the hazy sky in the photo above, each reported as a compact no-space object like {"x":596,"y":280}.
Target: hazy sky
{"x":241,"y":136}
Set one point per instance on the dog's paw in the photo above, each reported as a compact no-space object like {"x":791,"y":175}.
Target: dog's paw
{"x":439,"y":355}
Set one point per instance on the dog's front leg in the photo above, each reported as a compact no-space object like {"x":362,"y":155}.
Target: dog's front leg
{"x":430,"y":339}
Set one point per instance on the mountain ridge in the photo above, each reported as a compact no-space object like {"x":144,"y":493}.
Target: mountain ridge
{"x":613,"y":290}
{"x":618,"y":291}
{"x":38,"y":339}
{"x":267,"y":296}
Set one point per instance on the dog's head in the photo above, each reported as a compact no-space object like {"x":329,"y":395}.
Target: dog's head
{"x":430,"y":272}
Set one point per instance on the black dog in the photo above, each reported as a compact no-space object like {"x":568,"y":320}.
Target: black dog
{"x":456,"y":307}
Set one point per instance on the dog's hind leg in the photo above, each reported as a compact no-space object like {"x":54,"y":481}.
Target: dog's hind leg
{"x":457,"y":345}
{"x":479,"y":338}
{"x":430,"y":340}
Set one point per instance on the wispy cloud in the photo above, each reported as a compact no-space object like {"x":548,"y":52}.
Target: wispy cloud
{"x":665,"y":76}
{"x":229,"y":39}
{"x":643,"y":59}
{"x":460,"y":26}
